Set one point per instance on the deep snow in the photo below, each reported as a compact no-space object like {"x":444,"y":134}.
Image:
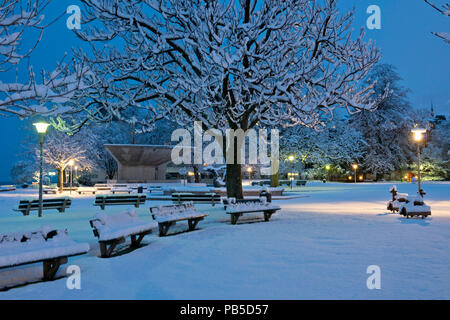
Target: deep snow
{"x":316,"y":247}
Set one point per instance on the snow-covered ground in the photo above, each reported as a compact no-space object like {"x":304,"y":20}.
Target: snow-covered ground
{"x":316,"y":247}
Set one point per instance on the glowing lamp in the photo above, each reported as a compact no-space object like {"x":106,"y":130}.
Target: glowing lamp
{"x":418,"y":134}
{"x":41,"y":127}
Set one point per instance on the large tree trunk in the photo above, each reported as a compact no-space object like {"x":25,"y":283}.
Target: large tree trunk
{"x":274,"y":180}
{"x":234,"y":181}
{"x":61,"y":180}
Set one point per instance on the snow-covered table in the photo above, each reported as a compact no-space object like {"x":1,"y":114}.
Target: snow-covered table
{"x":112,"y":230}
{"x":52,"y":247}
{"x":241,"y":206}
{"x":167,"y":216}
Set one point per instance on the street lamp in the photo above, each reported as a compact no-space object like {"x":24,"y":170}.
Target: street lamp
{"x":291,"y":159}
{"x":328,"y":168}
{"x":41,"y":128}
{"x":418,"y":137}
{"x":355,"y":167}
{"x":249,"y":170}
{"x":71,"y":163}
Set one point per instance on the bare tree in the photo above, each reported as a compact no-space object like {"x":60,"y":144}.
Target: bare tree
{"x":445,"y":10}
{"x":228,"y":64}
{"x":20,"y":19}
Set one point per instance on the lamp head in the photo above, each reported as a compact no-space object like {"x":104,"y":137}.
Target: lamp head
{"x":71,"y":162}
{"x":418,"y":134}
{"x":291,"y":158}
{"x":355,"y":166}
{"x":41,"y":127}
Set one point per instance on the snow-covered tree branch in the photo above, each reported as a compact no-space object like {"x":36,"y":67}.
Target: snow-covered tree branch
{"x":20,"y":19}
{"x":445,"y":10}
{"x":235,"y":64}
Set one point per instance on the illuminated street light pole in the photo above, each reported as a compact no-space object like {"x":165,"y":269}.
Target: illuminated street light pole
{"x":328,"y":167}
{"x":41,"y":128}
{"x":71,"y":175}
{"x":418,"y":137}
{"x":355,"y":167}
{"x":291,"y":160}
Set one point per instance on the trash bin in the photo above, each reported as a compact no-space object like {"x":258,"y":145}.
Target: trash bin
{"x":266,"y":194}
{"x":140,"y":189}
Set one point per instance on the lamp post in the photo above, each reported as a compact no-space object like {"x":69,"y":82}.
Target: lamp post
{"x":418,"y":137}
{"x":71,"y":162}
{"x":291,"y":160}
{"x":41,"y":128}
{"x":249,"y":170}
{"x":328,"y":167}
{"x":355,"y":167}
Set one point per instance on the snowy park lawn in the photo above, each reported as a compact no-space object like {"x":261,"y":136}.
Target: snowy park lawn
{"x":316,"y":247}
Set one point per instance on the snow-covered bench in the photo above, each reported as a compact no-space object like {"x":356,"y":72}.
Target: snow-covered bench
{"x":212,"y":198}
{"x":236,"y":208}
{"x":397,"y":199}
{"x":50,"y":190}
{"x":415,"y":207}
{"x":112,"y":230}
{"x":125,"y":189}
{"x":27,"y":205}
{"x":167,"y":216}
{"x":52,"y":247}
{"x":109,"y":200}
{"x":86,"y":190}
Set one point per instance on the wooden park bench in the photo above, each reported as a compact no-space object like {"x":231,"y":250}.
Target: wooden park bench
{"x":397,"y":199}
{"x":60,"y":204}
{"x":121,"y":189}
{"x":102,"y":187}
{"x":300,"y":182}
{"x":48,"y":190}
{"x":51,"y":247}
{"x":112,"y":230}
{"x":212,"y":198}
{"x":114,"y":200}
{"x":167,"y":216}
{"x":236,"y":208}
{"x":415,"y":207}
{"x":86,"y":190}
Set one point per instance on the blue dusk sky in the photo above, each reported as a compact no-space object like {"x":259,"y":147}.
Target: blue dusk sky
{"x":405,"y":40}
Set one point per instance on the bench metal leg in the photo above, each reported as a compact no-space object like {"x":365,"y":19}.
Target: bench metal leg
{"x":106,"y":251}
{"x":136,"y":241}
{"x":193,"y":223}
{"x":164,"y":228}
{"x":234,"y":218}
{"x":51,"y":267}
{"x":267,"y":215}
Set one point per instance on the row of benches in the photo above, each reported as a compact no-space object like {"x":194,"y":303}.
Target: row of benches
{"x":25,"y":206}
{"x":54,"y":247}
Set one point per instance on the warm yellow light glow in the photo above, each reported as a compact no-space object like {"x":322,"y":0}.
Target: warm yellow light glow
{"x":349,"y":177}
{"x":71,"y":163}
{"x":361,"y":177}
{"x":418,"y":134}
{"x":355,"y":166}
{"x":406,"y":177}
{"x":41,"y":127}
{"x":190,"y":173}
{"x":291,"y":158}
{"x":327,"y":167}
{"x":249,"y":169}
